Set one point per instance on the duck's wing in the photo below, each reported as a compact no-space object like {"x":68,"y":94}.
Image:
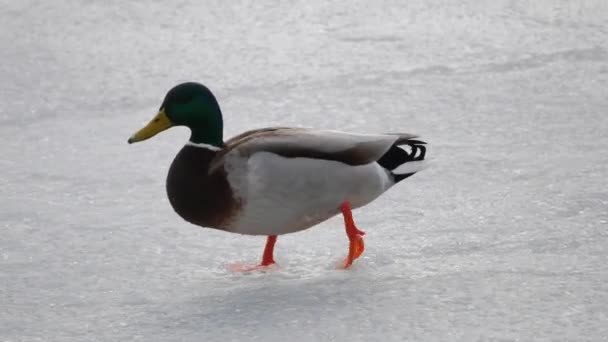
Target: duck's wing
{"x":348,"y":148}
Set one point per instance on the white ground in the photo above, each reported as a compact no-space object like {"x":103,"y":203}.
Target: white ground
{"x":505,"y":238}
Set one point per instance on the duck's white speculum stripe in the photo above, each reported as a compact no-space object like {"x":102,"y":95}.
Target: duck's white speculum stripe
{"x":202,"y":145}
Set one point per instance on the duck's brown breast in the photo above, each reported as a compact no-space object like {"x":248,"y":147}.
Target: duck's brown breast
{"x":198,"y":197}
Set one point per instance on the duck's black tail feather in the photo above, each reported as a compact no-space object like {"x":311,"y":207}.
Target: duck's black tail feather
{"x":401,"y":163}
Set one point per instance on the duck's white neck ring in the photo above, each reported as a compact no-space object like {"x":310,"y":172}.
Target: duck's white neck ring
{"x":202,"y":145}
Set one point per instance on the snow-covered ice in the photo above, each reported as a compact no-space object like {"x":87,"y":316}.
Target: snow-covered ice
{"x":504,"y":238}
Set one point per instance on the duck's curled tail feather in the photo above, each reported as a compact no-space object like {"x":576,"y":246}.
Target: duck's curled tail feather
{"x":403,"y":163}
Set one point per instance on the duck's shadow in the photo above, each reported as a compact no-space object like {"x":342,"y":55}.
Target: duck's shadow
{"x":273,"y":300}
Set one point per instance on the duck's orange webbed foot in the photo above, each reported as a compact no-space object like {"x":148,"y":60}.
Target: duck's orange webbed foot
{"x":355,"y":236}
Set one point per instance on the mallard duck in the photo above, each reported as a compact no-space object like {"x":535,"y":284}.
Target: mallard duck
{"x":274,"y":181}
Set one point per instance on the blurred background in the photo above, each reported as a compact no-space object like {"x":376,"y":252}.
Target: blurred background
{"x":504,"y":238}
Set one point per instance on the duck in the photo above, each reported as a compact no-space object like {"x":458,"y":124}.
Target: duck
{"x":276,"y":180}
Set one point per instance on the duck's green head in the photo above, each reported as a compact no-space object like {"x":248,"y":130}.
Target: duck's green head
{"x":191,"y":105}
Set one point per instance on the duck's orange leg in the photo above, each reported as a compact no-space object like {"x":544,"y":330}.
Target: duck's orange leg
{"x":267,"y":258}
{"x":355,"y":236}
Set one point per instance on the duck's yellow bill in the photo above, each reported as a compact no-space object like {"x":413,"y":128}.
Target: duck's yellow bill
{"x":160,"y":123}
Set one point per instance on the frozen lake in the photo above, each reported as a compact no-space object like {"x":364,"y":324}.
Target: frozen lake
{"x":504,"y":238}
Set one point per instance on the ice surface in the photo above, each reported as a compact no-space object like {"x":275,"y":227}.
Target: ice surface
{"x":504,"y":238}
